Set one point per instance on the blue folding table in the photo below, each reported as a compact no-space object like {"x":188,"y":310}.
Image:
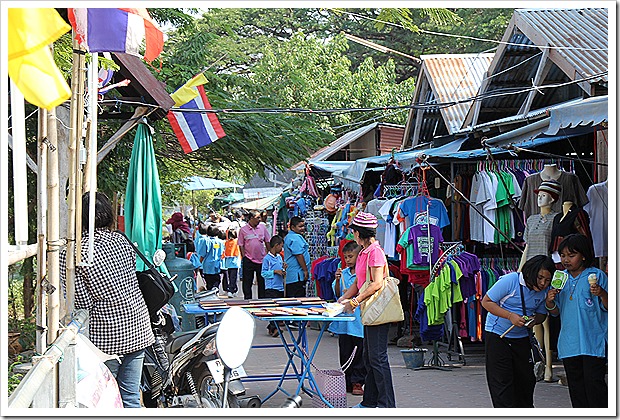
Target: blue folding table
{"x":297,"y":349}
{"x":295,"y":345}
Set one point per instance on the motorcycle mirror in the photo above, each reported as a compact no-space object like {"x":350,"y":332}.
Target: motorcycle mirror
{"x":234,"y":336}
{"x":159,"y":257}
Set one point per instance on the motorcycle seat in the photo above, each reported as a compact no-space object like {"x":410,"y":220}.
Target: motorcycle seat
{"x":177,"y":340}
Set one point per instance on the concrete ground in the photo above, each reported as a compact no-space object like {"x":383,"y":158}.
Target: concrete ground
{"x":461,"y":390}
{"x":460,"y":387}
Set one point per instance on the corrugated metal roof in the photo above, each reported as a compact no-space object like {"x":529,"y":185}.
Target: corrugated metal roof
{"x":341,"y":142}
{"x":585,"y":28}
{"x":390,"y":138}
{"x":455,"y":77}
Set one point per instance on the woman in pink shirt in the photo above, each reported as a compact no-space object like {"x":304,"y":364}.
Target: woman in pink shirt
{"x":378,"y":388}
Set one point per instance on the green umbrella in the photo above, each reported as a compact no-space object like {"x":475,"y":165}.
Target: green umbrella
{"x":143,"y":219}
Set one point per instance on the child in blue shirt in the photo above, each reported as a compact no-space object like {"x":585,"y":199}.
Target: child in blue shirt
{"x":210,"y":252}
{"x":582,"y":306}
{"x":350,"y":334}
{"x":196,"y":259}
{"x":273,"y":272}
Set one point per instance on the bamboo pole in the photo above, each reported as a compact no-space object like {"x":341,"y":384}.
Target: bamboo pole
{"x":53,"y":216}
{"x":41,"y":314}
{"x":92,"y":153}
{"x":77,"y":97}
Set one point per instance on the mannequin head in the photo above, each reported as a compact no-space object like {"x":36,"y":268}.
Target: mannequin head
{"x":545,"y":199}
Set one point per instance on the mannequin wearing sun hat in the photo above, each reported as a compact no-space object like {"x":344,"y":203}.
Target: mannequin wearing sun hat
{"x":537,"y":236}
{"x":538,"y":227}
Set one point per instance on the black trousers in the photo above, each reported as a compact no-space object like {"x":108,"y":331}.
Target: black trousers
{"x":297,"y":289}
{"x":586,"y":381}
{"x":273,"y":293}
{"x":229,"y":280}
{"x":510,"y":371}
{"x":378,"y":390}
{"x":249,"y":269}
{"x":212,"y":280}
{"x":356,"y":373}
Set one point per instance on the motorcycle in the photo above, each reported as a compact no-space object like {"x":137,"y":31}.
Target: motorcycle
{"x":200,"y":368}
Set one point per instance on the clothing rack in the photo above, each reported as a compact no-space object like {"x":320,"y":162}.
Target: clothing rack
{"x":453,"y":343}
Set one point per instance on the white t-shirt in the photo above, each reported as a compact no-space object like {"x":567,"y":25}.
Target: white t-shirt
{"x":490,"y":207}
{"x":597,"y":210}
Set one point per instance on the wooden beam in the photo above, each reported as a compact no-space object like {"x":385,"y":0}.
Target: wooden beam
{"x":471,"y":119}
{"x":543,"y":68}
{"x":141,"y":111}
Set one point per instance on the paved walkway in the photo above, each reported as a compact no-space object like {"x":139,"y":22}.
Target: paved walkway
{"x":459,"y":388}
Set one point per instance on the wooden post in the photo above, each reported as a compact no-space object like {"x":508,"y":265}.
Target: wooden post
{"x":77,"y":99}
{"x":52,"y":227}
{"x":41,"y":313}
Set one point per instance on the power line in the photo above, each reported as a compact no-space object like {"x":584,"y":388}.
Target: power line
{"x":422,"y":105}
{"x":471,"y":37}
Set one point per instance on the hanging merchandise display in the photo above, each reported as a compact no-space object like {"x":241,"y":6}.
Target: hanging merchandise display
{"x":317,"y":226}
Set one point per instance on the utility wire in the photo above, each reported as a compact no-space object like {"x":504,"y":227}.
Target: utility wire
{"x":493,"y":94}
{"x":470,"y":37}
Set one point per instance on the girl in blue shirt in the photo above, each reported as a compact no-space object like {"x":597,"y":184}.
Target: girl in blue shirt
{"x":582,"y":306}
{"x":509,"y":364}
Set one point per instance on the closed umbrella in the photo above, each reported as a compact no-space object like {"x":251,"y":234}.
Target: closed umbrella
{"x":143,"y":218}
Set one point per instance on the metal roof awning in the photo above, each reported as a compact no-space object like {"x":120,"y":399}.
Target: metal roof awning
{"x":261,"y":204}
{"x":587,"y":112}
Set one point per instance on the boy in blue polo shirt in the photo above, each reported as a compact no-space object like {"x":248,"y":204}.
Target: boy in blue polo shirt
{"x":273,"y":272}
{"x":350,"y":334}
{"x":297,"y":258}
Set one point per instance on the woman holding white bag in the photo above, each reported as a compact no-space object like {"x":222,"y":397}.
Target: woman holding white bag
{"x":378,"y":388}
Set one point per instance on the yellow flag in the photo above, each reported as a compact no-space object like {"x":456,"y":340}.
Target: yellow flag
{"x":31,"y":64}
{"x":187,"y":92}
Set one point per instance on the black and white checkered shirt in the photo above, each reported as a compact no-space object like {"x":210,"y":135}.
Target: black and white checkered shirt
{"x":119,"y":320}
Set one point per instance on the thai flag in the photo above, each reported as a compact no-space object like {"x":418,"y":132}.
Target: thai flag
{"x":117,"y":30}
{"x":196,"y":129}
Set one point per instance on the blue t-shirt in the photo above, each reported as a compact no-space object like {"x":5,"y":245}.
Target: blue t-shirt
{"x":415,"y":209}
{"x":272,"y":280}
{"x":211,"y":250}
{"x":295,"y":244}
{"x":505,"y":292}
{"x":354,"y":328}
{"x":583,"y":319}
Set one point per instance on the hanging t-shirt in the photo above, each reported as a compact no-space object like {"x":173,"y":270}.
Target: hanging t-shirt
{"x":414,"y":209}
{"x":597,"y":210}
{"x":490,"y":207}
{"x":389,"y":238}
{"x":419,"y":237}
{"x":479,"y":195}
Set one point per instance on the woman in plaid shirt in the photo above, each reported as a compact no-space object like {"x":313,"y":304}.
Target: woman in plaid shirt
{"x":119,"y":321}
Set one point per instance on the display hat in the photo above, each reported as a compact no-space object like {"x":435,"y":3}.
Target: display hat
{"x":552,"y":187}
{"x":364,"y":220}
